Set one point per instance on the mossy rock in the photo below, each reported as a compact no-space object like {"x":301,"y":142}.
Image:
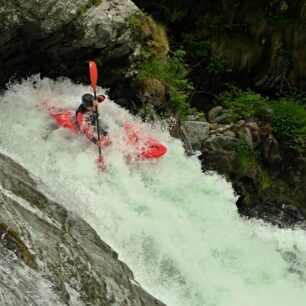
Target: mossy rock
{"x":151,"y":35}
{"x":154,"y":87}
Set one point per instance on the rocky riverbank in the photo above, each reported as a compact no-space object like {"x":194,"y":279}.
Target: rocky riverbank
{"x":269,"y":179}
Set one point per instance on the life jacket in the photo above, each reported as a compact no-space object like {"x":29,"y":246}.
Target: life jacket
{"x":88,"y":121}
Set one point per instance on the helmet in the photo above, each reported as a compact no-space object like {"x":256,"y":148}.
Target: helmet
{"x":87,"y":100}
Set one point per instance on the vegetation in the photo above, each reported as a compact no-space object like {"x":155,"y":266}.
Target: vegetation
{"x":258,"y":45}
{"x":263,"y":40}
{"x":287,"y":115}
{"x":244,"y":103}
{"x":159,"y":72}
{"x":172,"y":72}
{"x":289,"y":123}
{"x":248,"y":157}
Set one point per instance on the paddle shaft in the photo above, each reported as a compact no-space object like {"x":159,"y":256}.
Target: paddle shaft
{"x":93,"y":72}
{"x":97,"y":122}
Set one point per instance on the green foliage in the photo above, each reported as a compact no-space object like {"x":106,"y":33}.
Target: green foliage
{"x":177,"y":15}
{"x":194,"y":112}
{"x":216,"y":65}
{"x":197,"y":47}
{"x":244,"y":104}
{"x":288,"y":114}
{"x":294,"y":95}
{"x":134,"y":21}
{"x":173,"y":73}
{"x":249,"y":158}
{"x":289,"y":123}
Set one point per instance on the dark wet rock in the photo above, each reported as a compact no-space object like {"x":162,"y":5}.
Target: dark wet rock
{"x":226,"y":164}
{"x":270,"y":151}
{"x":49,"y":244}
{"x":57,"y":37}
{"x":273,"y":211}
{"x":219,"y":154}
{"x":221,"y":143}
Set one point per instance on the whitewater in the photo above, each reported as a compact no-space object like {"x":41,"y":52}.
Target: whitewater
{"x":177,"y":228}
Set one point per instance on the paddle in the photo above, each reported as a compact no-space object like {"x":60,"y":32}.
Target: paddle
{"x":93,"y":72}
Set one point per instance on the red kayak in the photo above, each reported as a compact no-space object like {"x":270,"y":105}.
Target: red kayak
{"x":146,"y":150}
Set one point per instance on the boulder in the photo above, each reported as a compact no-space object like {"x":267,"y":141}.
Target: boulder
{"x":246,"y":135}
{"x":56,"y":38}
{"x":271,"y":153}
{"x":219,"y":115}
{"x":196,"y":132}
{"x":219,"y":154}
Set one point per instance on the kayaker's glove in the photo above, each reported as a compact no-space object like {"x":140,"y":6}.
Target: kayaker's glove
{"x":100,"y":98}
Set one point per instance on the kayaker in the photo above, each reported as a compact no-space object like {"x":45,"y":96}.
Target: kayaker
{"x":86,"y":119}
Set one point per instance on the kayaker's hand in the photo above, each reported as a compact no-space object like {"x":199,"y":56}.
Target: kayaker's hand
{"x":99,"y":143}
{"x":104,"y":142}
{"x":100,"y":98}
{"x":95,"y":103}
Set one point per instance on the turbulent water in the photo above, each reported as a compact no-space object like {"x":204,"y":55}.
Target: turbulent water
{"x":177,"y":228}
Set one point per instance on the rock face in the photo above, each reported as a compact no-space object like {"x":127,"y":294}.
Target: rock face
{"x":219,"y":154}
{"x":57,"y":37}
{"x":55,"y":257}
{"x":269,"y":180}
{"x":196,"y":132}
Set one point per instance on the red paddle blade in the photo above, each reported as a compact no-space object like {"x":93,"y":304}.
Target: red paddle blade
{"x":93,"y":71}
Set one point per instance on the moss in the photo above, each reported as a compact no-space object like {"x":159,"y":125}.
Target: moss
{"x":159,"y":74}
{"x":151,"y":35}
{"x":13,"y":242}
{"x":248,"y":199}
{"x":265,"y":180}
{"x":248,"y":158}
{"x":154,"y":86}
{"x":172,"y":72}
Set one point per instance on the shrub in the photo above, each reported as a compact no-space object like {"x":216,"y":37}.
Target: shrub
{"x":216,"y":65}
{"x":244,"y":104}
{"x":173,"y":73}
{"x":289,"y":123}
